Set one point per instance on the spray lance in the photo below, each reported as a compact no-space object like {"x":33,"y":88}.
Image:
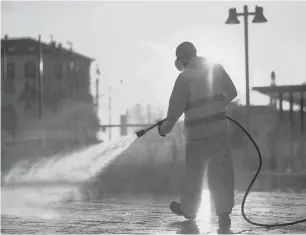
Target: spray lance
{"x":144,"y":131}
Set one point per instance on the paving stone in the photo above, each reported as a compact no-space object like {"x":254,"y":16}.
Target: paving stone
{"x":144,"y":215}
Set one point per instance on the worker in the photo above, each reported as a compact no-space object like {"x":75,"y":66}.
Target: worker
{"x":202,"y":92}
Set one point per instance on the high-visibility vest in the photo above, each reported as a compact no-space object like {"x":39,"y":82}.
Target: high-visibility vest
{"x":205,"y":110}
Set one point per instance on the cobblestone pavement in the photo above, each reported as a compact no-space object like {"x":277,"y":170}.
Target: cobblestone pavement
{"x":147,"y":214}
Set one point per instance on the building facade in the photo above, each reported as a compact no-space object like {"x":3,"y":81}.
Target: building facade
{"x":45,"y":96}
{"x":288,"y":138}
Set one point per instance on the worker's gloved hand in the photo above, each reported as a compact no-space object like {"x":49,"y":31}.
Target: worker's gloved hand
{"x":159,"y":123}
{"x":160,"y":132}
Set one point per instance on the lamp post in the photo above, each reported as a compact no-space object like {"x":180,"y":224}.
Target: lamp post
{"x":110,"y":113}
{"x":233,"y":19}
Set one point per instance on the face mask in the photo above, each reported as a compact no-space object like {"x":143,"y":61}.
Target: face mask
{"x":179,"y":65}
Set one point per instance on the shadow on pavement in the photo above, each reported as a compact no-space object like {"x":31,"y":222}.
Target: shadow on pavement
{"x":186,"y":227}
{"x":191,"y":227}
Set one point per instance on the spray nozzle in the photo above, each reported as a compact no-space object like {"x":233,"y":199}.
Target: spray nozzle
{"x":142,"y":132}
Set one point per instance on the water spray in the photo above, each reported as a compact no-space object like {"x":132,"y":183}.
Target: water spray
{"x":85,"y":172}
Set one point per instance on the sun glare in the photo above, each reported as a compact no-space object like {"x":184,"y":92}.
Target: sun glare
{"x":205,"y":208}
{"x":210,"y":76}
{"x":204,"y":214}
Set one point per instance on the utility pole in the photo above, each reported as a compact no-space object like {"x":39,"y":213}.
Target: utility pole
{"x":4,"y":82}
{"x":149,"y":113}
{"x":110,"y":113}
{"x":273,"y":83}
{"x":97,"y":86}
{"x":40,"y":75}
{"x":246,"y":49}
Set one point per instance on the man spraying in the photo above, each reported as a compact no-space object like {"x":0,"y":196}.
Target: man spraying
{"x":202,"y":92}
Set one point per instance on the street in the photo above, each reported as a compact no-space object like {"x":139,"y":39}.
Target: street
{"x":145,"y":214}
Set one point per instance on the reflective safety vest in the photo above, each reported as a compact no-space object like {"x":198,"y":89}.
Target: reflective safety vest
{"x":205,"y":110}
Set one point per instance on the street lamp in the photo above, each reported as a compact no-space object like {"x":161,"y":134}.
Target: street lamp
{"x":233,"y":19}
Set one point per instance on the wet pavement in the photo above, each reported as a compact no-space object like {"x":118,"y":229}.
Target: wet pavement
{"x":148,"y":214}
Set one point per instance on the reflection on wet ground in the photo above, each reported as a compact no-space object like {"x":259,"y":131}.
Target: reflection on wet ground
{"x":148,"y":214}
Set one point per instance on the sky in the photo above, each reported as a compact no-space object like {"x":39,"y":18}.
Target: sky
{"x":135,"y":42}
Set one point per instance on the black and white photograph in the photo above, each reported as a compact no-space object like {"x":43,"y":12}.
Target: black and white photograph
{"x":153,"y":117}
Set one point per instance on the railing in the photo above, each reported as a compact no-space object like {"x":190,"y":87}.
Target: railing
{"x":128,"y":125}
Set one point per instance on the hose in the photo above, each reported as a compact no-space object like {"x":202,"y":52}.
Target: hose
{"x":252,"y":182}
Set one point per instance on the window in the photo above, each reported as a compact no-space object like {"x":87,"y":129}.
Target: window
{"x":2,"y":69}
{"x":9,"y":121}
{"x":71,"y":66}
{"x":30,"y":70}
{"x":11,"y":70}
{"x":31,"y":48}
{"x":82,"y":81}
{"x":8,"y":77}
{"x":76,"y":84}
{"x":58,"y":70}
{"x":11,"y":49}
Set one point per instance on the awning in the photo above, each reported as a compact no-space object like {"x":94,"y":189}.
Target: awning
{"x":298,"y":92}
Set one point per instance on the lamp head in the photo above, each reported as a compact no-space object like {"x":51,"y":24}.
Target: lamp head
{"x":259,"y":16}
{"x":232,"y":17}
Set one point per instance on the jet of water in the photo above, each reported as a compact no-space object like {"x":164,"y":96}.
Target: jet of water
{"x":26,"y":191}
{"x":76,"y":167}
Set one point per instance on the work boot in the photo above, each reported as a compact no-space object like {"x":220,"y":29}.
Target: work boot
{"x":175,"y":207}
{"x":224,"y":221}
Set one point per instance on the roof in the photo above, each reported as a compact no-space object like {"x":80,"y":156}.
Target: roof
{"x":28,"y":45}
{"x":298,"y":92}
{"x":254,"y":109}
